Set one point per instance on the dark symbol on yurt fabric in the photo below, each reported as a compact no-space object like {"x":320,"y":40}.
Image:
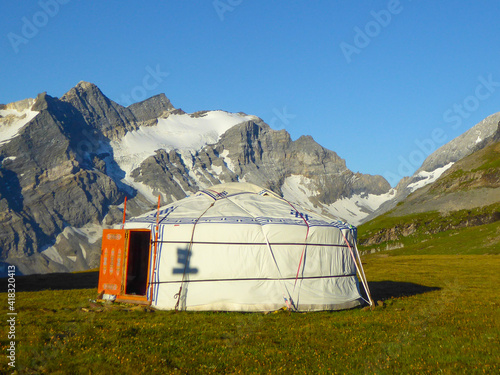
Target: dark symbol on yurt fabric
{"x":222,"y":194}
{"x":167,"y":211}
{"x":184,"y":258}
{"x":299,"y":215}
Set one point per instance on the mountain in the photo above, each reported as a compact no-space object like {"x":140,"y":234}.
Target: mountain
{"x":438,"y":162}
{"x":471,"y":182}
{"x":464,"y":196}
{"x":67,"y":164}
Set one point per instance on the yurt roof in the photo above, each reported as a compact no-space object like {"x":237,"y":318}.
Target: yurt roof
{"x":241,"y":200}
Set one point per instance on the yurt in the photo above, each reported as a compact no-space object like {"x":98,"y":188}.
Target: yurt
{"x":233,"y":247}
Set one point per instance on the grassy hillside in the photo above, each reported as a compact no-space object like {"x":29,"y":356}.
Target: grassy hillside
{"x":475,"y":231}
{"x":439,"y":315}
{"x":480,"y":169}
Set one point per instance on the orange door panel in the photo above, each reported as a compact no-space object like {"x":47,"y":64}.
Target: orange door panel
{"x":112,"y":258}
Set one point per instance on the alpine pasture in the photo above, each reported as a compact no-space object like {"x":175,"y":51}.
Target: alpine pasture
{"x":435,"y":314}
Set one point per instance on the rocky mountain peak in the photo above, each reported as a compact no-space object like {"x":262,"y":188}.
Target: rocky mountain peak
{"x":104,"y":115}
{"x":462,"y":145}
{"x":44,"y":101}
{"x":82,"y":90}
{"x":440,"y":161}
{"x":110,"y":118}
{"x":84,"y":85}
{"x":318,"y":155}
{"x":151,"y":108}
{"x":20,"y":105}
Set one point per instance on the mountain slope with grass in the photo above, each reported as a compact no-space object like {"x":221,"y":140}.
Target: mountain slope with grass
{"x":461,"y":207}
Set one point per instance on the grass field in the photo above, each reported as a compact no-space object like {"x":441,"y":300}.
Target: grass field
{"x":440,"y":314}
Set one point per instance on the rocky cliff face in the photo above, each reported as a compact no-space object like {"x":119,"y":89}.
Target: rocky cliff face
{"x":48,"y":184}
{"x":462,"y":145}
{"x":67,"y":164}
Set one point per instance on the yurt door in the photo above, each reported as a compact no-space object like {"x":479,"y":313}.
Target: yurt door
{"x":112,"y":254}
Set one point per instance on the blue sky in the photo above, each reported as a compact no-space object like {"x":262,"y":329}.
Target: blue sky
{"x":382,"y":83}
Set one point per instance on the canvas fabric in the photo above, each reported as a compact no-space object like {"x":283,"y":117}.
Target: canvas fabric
{"x":238,"y":247}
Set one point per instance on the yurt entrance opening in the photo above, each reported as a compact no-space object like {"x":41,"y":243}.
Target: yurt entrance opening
{"x":137,"y":259}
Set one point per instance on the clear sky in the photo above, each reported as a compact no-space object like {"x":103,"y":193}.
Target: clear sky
{"x":379,"y":82}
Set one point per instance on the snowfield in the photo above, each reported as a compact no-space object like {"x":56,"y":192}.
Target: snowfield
{"x":353,"y":210}
{"x":177,"y":132}
{"x":357,"y":207}
{"x":12,"y":121}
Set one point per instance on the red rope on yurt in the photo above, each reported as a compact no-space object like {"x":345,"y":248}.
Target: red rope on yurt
{"x":305,"y":241}
{"x":124,"y":212}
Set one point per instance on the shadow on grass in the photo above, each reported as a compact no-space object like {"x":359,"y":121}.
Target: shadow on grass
{"x":382,"y":290}
{"x":54,"y":281}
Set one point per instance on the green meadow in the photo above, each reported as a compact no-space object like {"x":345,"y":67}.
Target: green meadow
{"x":435,"y":314}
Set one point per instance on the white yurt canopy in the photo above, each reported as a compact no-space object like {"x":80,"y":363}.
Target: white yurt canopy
{"x":239,"y":247}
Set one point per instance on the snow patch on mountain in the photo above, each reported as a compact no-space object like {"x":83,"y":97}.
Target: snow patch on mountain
{"x":84,"y":252}
{"x":217,"y":169}
{"x":355,"y":208}
{"x":425,"y":178}
{"x":143,"y":189}
{"x":187,"y":158}
{"x":227,"y":160}
{"x":11,"y":158}
{"x":12,"y":121}
{"x":53,"y":254}
{"x":92,"y":232}
{"x":298,"y":189}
